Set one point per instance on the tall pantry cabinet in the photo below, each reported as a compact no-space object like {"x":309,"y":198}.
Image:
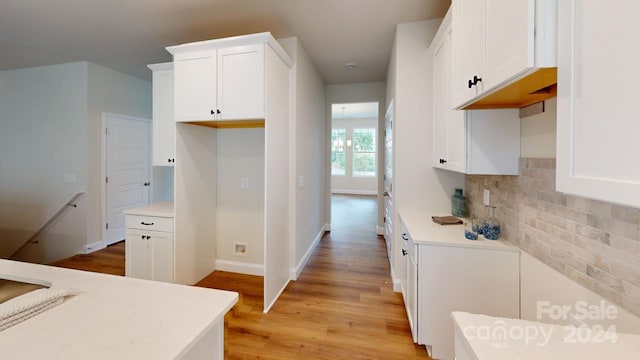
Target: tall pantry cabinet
{"x":232,"y":187}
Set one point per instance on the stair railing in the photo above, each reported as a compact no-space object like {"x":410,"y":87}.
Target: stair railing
{"x":32,"y":238}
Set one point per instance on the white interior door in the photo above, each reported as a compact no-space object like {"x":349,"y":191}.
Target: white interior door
{"x":127,"y":170}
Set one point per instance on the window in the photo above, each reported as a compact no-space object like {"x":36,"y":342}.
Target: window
{"x":338,"y":142}
{"x":364,"y":152}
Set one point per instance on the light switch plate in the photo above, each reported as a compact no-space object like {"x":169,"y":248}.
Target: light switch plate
{"x":244,"y":182}
{"x":300,"y":182}
{"x":487,"y":197}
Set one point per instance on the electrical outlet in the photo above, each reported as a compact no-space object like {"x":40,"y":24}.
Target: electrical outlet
{"x":487,"y":197}
{"x":244,"y":183}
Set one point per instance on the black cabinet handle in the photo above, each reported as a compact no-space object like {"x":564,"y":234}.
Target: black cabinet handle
{"x":144,"y":223}
{"x":218,"y":111}
{"x":443,"y":161}
{"x":146,"y":237}
{"x":213,"y":112}
{"x":404,"y":237}
{"x":404,"y":252}
{"x":474,"y":81}
{"x":147,"y":183}
{"x":171,"y":160}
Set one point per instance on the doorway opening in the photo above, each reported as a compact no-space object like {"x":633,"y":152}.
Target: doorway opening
{"x":355,"y":163}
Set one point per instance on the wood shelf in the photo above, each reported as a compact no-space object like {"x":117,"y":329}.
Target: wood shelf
{"x":536,"y":87}
{"x":230,"y":124}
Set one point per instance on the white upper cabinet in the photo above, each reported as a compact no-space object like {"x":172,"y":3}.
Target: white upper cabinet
{"x":597,"y":138}
{"x":499,"y":42}
{"x":468,"y":55}
{"x":164,"y":126}
{"x":195,"y":86}
{"x":448,"y":125}
{"x":222,"y":79}
{"x":241,"y":82}
{"x":471,"y":142}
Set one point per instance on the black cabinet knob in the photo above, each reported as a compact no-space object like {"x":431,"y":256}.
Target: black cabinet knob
{"x":213,"y":112}
{"x":404,"y":252}
{"x":218,"y":111}
{"x":474,"y":81}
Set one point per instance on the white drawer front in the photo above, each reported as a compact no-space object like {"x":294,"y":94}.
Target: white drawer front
{"x":149,"y":223}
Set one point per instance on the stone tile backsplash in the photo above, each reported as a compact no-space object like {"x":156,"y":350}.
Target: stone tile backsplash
{"x":595,"y":243}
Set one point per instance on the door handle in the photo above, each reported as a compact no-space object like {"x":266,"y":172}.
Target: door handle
{"x":386,"y":193}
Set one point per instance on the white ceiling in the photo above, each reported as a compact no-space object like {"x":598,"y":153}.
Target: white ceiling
{"x":125,"y":35}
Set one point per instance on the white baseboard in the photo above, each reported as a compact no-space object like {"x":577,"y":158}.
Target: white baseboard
{"x":327,"y":227}
{"x":295,"y":272}
{"x":380,"y":230}
{"x":354,"y":192}
{"x":240,"y":267}
{"x":94,"y":246}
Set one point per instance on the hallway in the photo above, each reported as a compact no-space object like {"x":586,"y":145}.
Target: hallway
{"x":341,"y":307}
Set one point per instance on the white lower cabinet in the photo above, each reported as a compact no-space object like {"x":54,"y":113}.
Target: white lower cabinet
{"x":410,"y":282}
{"x":149,"y":252}
{"x":450,"y":274}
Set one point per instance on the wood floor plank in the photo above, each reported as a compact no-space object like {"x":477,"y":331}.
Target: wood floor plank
{"x":341,"y":307}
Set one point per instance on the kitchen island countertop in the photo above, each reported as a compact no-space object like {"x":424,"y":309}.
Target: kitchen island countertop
{"x":118,"y":318}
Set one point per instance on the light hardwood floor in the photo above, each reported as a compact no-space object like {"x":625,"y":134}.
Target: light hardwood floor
{"x":341,"y":307}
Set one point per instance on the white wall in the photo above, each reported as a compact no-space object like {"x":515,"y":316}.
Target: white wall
{"x":113,"y":92}
{"x":538,"y":133}
{"x":51,"y":126}
{"x":356,"y":93}
{"x":349,"y":184}
{"x":416,"y":185}
{"x":43,"y":124}
{"x":310,"y":144}
{"x":240,"y":211}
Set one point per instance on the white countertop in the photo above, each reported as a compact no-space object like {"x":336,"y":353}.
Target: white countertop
{"x":161,"y":209}
{"x":424,"y":231}
{"x":113,"y":318}
{"x":556,"y":344}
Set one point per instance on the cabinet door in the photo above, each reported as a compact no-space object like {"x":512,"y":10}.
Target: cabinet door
{"x":440,"y":103}
{"x":241,"y":82}
{"x":411,"y":302}
{"x":137,"y":259}
{"x":449,"y":134}
{"x":163,"y":123}
{"x":509,"y":39}
{"x":468,"y":32}
{"x":161,"y":256}
{"x":597,"y":139}
{"x":195,"y":86}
